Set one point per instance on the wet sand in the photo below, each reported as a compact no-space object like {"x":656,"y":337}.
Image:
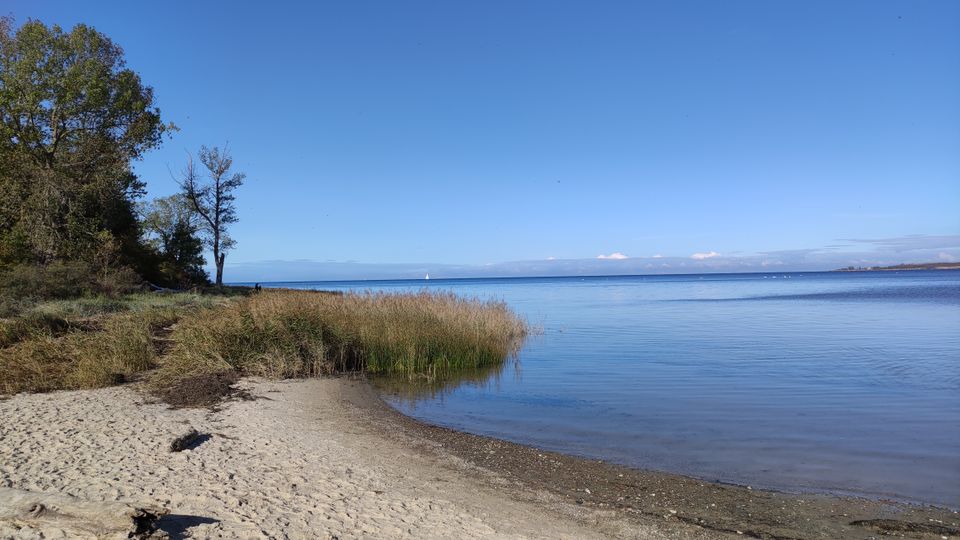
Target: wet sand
{"x":326,"y":458}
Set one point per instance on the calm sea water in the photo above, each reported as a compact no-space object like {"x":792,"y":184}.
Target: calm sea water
{"x":837,"y":382}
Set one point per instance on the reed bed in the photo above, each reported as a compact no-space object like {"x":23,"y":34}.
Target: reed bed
{"x":283,"y":333}
{"x":95,"y":342}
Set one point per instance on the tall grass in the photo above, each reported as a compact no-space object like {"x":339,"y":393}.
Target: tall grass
{"x":31,"y":324}
{"x":94,"y":342}
{"x":121,"y":347}
{"x":305,"y":333}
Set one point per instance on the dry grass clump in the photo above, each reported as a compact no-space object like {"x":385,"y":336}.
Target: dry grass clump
{"x":56,"y":317}
{"x":101,"y":354}
{"x":123,"y":348}
{"x":32,"y":324}
{"x":304,"y":333}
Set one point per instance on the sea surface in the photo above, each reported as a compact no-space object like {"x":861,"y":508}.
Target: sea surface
{"x":826,"y":382}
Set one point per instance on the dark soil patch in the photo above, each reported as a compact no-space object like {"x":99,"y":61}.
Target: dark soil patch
{"x":162,"y":342}
{"x":203,"y":390}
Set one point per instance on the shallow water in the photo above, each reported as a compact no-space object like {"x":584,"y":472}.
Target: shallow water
{"x":838,"y":382}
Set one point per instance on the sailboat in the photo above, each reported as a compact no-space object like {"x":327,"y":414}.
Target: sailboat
{"x":426,"y":276}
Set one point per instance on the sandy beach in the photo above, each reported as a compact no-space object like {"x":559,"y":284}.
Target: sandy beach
{"x":325,"y":458}
{"x":466,"y":270}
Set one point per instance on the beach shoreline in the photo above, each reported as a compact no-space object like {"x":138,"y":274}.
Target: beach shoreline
{"x":650,"y":496}
{"x":329,"y":458}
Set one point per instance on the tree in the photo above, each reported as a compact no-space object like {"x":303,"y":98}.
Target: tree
{"x":171,"y":228}
{"x":72,"y":118}
{"x":213,"y":199}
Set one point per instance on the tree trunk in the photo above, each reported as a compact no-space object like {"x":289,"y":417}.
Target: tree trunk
{"x":220,"y":269}
{"x":54,"y":514}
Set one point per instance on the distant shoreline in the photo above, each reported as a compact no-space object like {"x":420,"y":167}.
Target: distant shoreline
{"x":910,"y":266}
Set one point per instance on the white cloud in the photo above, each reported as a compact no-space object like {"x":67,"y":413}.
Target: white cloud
{"x":702,"y":256}
{"x":551,"y":258}
{"x":658,"y":256}
{"x":615,"y":255}
{"x":944,"y":256}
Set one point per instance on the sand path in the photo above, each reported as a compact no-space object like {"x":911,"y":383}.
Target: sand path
{"x":304,"y":462}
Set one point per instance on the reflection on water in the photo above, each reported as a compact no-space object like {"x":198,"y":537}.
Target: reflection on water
{"x":410,"y":391}
{"x":844,"y":382}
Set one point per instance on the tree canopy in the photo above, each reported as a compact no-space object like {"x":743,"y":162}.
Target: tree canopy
{"x":72,"y":118}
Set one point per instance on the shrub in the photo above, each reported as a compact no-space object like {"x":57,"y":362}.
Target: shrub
{"x":60,"y":280}
{"x":113,"y":282}
{"x":65,"y":280}
{"x":11,"y":307}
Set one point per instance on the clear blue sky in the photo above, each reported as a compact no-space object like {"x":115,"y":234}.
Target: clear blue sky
{"x":482,"y":132}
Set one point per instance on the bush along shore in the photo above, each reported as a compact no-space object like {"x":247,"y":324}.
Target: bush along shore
{"x":190,"y":347}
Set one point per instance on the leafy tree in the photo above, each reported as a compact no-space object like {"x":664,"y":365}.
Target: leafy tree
{"x":213,"y":199}
{"x":72,"y":118}
{"x":171,"y":227}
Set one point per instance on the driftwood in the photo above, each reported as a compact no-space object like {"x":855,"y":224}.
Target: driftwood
{"x":31,"y":514}
{"x":188,"y":440}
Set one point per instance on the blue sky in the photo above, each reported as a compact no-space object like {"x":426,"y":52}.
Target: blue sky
{"x":395,"y":136}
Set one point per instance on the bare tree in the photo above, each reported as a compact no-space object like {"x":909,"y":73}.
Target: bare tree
{"x":212,"y":198}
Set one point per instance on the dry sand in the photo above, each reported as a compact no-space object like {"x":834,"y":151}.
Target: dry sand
{"x":304,"y":461}
{"x":325,"y":458}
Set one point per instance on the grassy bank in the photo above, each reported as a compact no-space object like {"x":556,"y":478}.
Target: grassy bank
{"x":58,"y":317}
{"x":88,"y":342}
{"x":279,"y":334}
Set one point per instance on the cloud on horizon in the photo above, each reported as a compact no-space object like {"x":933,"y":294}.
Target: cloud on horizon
{"x":616,"y":255}
{"x":702,"y":256}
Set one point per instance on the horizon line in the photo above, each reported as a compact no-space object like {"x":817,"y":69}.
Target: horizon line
{"x":838,"y":270}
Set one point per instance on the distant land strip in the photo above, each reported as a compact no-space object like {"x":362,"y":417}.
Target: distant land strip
{"x":911,"y":266}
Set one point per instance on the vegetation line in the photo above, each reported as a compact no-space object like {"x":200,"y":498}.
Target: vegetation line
{"x":275,"y":333}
